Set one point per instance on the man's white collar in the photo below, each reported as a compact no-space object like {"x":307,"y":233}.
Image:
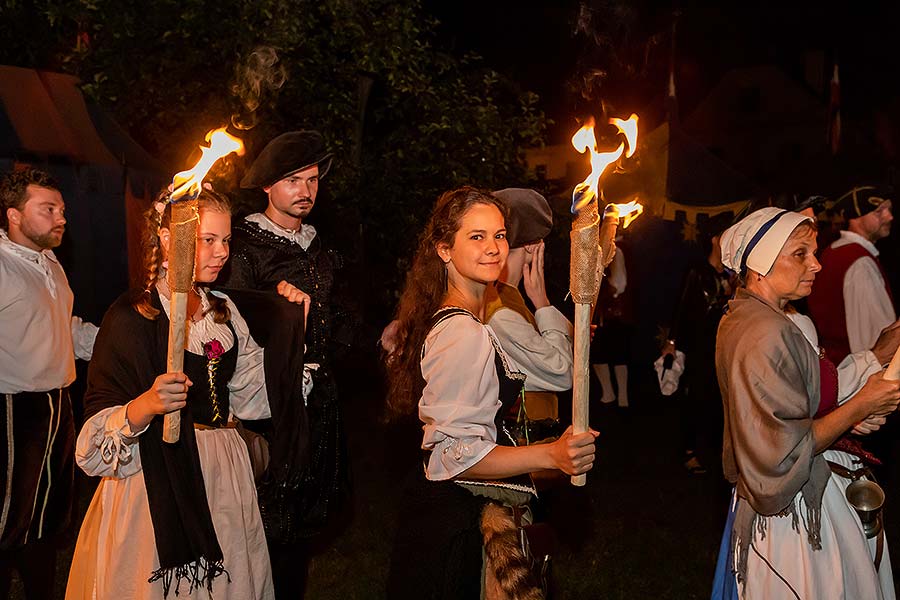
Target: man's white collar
{"x":855,"y":238}
{"x":37,"y":259}
{"x":21,"y":251}
{"x":303,"y":237}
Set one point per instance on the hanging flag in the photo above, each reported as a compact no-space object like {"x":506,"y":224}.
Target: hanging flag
{"x":833,"y":133}
{"x":671,"y":97}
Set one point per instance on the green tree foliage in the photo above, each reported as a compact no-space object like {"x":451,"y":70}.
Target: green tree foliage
{"x":405,"y":119}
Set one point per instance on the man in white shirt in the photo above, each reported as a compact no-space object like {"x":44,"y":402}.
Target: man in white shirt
{"x":540,"y":343}
{"x":851,"y":301}
{"x":39,"y":339}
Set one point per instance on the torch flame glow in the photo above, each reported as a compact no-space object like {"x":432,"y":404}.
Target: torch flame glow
{"x":629,"y":211}
{"x":190,"y":182}
{"x":584,"y":140}
{"x":630,"y":129}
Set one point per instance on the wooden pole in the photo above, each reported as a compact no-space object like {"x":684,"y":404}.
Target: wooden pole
{"x":180,"y":277}
{"x":892,"y":373}
{"x":585,"y":304}
{"x":581,"y":376}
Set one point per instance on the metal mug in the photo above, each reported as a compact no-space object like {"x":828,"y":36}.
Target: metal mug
{"x":866,"y":497}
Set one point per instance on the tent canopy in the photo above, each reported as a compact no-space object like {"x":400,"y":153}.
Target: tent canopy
{"x":105,"y":177}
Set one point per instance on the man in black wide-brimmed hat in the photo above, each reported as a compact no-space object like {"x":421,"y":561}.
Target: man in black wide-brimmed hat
{"x":851,"y":301}
{"x":274,"y":246}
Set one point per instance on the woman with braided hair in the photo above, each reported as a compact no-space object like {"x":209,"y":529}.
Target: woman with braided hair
{"x":448,"y":365}
{"x":178,"y":518}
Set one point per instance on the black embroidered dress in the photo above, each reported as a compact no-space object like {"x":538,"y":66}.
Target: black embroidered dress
{"x":180,"y":511}
{"x":260,"y":260}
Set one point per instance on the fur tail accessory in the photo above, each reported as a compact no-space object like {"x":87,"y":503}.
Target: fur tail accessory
{"x":508,"y":568}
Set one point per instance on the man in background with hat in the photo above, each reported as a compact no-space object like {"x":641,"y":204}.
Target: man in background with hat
{"x":278,"y":245}
{"x":540,"y":343}
{"x":851,"y":302}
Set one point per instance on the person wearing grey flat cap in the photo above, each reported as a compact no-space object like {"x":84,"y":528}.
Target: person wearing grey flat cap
{"x":852,"y":302}
{"x":539,"y":342}
{"x":268,"y":249}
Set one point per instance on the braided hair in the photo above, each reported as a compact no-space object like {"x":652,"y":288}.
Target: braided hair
{"x":156,"y":217}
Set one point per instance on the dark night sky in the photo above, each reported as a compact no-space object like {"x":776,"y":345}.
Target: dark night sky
{"x":536,"y":44}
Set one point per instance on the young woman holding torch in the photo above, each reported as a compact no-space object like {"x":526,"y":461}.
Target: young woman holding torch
{"x":448,"y":365}
{"x":176,"y":518}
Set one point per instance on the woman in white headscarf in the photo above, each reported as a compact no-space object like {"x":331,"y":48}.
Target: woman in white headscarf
{"x":791,"y":532}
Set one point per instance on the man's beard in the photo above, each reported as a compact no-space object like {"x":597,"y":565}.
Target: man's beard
{"x":301,"y":211}
{"x":47,"y":241}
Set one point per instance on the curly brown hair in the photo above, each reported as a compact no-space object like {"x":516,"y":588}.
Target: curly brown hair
{"x":426,"y":287}
{"x":152,"y":255}
{"x":14,"y":189}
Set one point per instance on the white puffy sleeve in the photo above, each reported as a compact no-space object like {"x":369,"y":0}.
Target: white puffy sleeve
{"x":853,"y":372}
{"x":868,"y":307}
{"x":546,"y":356}
{"x":461,"y":396}
{"x":83,"y":336}
{"x":247,"y":387}
{"x":107,"y":446}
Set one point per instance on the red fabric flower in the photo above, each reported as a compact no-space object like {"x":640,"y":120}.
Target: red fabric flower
{"x":213,"y":349}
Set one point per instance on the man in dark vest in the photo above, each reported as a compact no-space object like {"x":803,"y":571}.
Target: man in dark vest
{"x":279,"y":245}
{"x":851,"y":301}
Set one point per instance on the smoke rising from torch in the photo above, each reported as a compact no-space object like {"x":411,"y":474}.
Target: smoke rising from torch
{"x":260,"y":74}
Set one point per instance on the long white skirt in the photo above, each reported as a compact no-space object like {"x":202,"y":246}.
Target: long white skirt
{"x":843,"y":569}
{"x":116,"y":552}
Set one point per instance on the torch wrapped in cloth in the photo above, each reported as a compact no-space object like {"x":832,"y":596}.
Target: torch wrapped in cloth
{"x":186,"y":188}
{"x":592,"y":250}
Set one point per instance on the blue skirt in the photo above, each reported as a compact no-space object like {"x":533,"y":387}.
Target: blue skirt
{"x":725,"y":582}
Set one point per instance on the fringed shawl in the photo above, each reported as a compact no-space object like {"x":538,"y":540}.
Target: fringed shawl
{"x":129,"y":353}
{"x":769,"y":378}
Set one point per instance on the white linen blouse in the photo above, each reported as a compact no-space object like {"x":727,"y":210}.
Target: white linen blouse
{"x":461,"y":395}
{"x":545,"y":355}
{"x":854,"y":370}
{"x":106,"y":445}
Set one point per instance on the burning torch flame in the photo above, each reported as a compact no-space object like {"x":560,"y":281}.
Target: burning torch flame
{"x":189,"y":183}
{"x":629,"y":211}
{"x":629,"y":128}
{"x":585,"y":140}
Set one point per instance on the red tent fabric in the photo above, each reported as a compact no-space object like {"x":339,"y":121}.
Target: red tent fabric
{"x":49,"y":116}
{"x":106,"y":179}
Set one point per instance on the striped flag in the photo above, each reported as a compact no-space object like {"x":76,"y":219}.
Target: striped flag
{"x":833,"y":132}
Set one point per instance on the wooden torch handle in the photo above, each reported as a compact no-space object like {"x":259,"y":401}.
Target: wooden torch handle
{"x":175,"y":359}
{"x":892,"y":372}
{"x":581,"y":376}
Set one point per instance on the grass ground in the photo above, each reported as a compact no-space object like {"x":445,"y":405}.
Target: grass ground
{"x":640,"y":528}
